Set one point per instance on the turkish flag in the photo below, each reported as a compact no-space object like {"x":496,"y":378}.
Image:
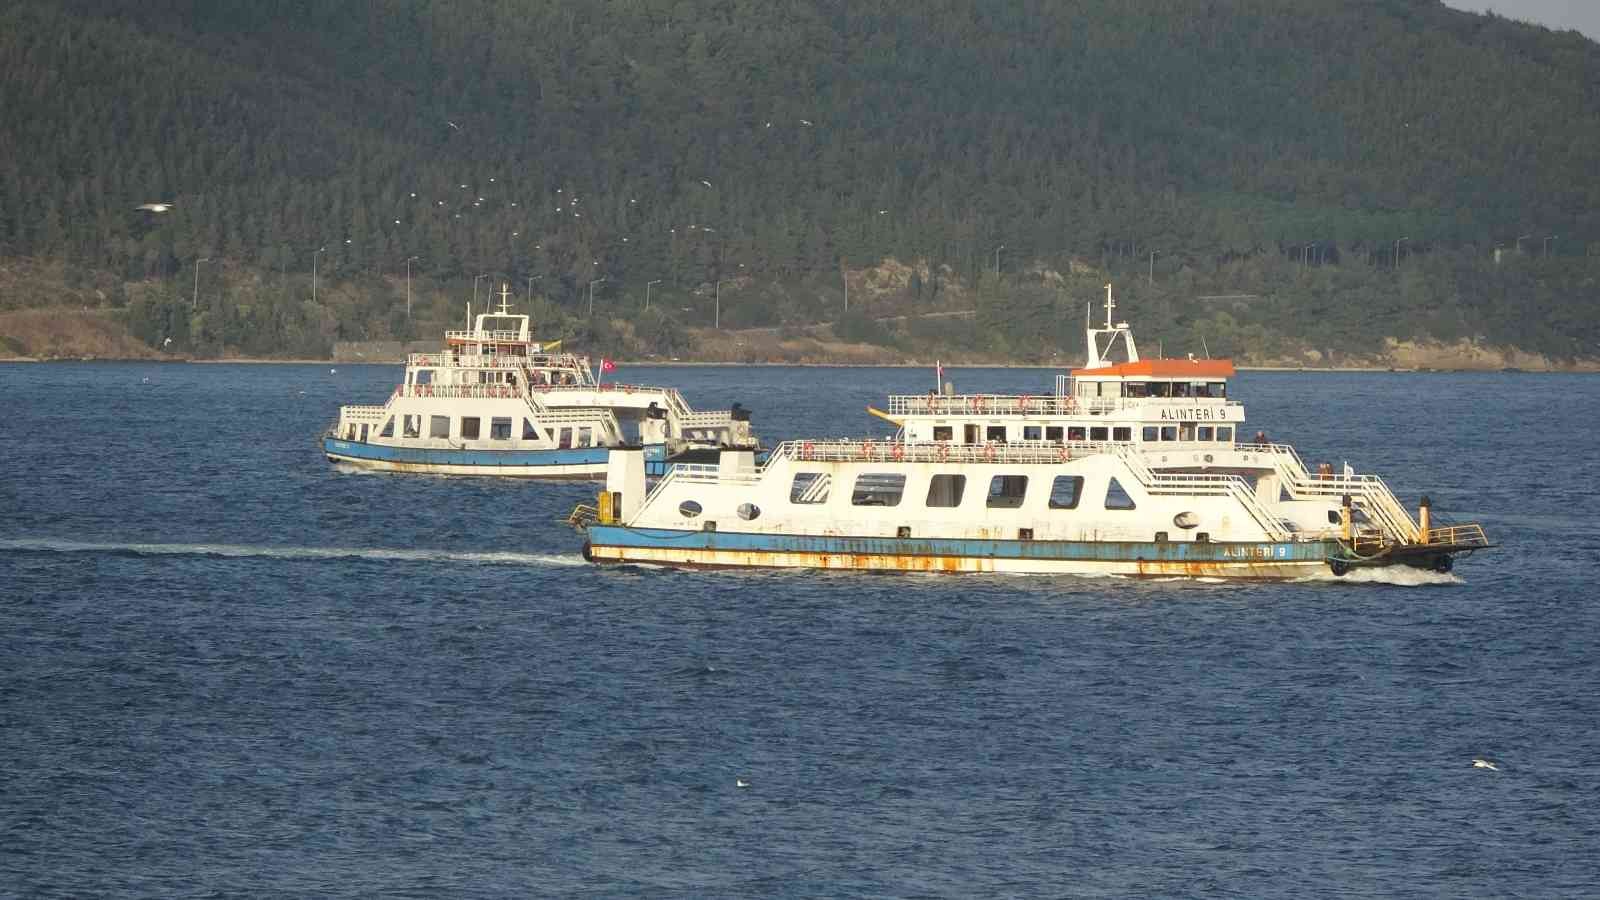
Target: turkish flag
{"x":607,"y":365}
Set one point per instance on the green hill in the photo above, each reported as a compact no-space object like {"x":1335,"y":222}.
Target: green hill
{"x":1361,"y":170}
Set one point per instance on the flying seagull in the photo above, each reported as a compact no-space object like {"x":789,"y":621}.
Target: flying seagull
{"x":705,"y":182}
{"x":806,"y":122}
{"x":452,"y":124}
{"x":740,"y":782}
{"x":155,"y":207}
{"x":1485,"y":764}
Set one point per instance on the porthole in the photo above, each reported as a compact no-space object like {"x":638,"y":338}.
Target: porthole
{"x":1186,"y":520}
{"x":689,"y":509}
{"x":748,"y":511}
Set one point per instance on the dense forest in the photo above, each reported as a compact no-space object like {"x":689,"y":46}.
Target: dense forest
{"x":1256,"y":175}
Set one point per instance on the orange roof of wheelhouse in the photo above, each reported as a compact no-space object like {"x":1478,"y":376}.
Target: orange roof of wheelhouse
{"x":1166,"y":368}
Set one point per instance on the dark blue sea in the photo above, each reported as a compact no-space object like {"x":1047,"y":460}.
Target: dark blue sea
{"x":229,"y":670}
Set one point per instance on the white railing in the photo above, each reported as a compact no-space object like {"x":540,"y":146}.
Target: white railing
{"x":491,"y":336}
{"x":1189,"y":483}
{"x":1018,"y":453}
{"x":1034,"y":405}
{"x":459,"y":391}
{"x":363,"y":414}
{"x":1368,"y":492}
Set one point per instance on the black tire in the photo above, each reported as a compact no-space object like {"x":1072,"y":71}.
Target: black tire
{"x":1444,"y":564}
{"x":1339,"y":567}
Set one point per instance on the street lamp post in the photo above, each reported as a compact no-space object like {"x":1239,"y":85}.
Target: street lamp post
{"x":997,"y":260}
{"x":1520,"y":240}
{"x":194,"y":303}
{"x":531,"y":280}
{"x":647,"y":292}
{"x":475,"y":279}
{"x":1547,"y":243}
{"x":1152,"y":277}
{"x":409,"y":260}
{"x":1397,"y":251}
{"x":591,"y":294}
{"x":314,"y":255}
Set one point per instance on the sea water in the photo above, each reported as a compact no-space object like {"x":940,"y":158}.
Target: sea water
{"x":228,"y":668}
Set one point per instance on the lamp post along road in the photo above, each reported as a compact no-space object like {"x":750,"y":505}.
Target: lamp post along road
{"x":314,"y":255}
{"x":591,"y":294}
{"x":997,"y":260}
{"x":194,"y":302}
{"x":647,"y":292}
{"x":1397,"y":251}
{"x":531,"y":280}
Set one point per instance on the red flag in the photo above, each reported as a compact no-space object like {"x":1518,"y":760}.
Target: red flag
{"x":607,"y":365}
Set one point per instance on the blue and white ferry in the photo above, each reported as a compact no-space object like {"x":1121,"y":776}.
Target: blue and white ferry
{"x":494,"y":401}
{"x":1129,"y":467}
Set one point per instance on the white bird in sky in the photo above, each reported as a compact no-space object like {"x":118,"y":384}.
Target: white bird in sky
{"x":705,"y":182}
{"x":806,"y":122}
{"x":1485,"y":764}
{"x":166,"y":342}
{"x":452,"y":124}
{"x":155,"y":207}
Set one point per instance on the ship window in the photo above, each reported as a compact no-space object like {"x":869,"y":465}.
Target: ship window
{"x":942,"y":432}
{"x":1052,"y":433}
{"x":878,"y":489}
{"x":1207,"y":433}
{"x":996,"y":434}
{"x":1161,"y":389}
{"x":500,"y":429}
{"x":424,"y":376}
{"x":1098,"y":433}
{"x":1334,"y":518}
{"x":1202,"y":537}
{"x":689,"y":509}
{"x":1219,"y":389}
{"x":1169,"y":432}
{"x":1065,"y":491}
{"x":566,"y":438}
{"x":469,"y":427}
{"x":748,"y":511}
{"x":1116,"y":497}
{"x":585,"y":437}
{"x":1180,"y":389}
{"x":809,"y":487}
{"x":1007,"y":491}
{"x":1161,"y":537}
{"x":413,"y":426}
{"x":1077,"y":433}
{"x":1225,"y":433}
{"x":388,"y":428}
{"x":1186,"y":431}
{"x":1151,"y":433}
{"x":944,"y":491}
{"x":529,"y":433}
{"x":438,"y":426}
{"x":1032,"y":433}
{"x":969,"y":434}
{"x":1137,"y":389}
{"x":1122,"y":433}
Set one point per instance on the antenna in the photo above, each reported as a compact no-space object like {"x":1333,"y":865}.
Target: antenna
{"x":1203,"y":345}
{"x":1110,"y":305}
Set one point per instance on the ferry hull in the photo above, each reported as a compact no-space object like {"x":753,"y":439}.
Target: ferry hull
{"x":575,"y":464}
{"x":698,"y":549}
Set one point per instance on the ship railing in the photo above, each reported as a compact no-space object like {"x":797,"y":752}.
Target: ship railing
{"x":491,"y":336}
{"x":459,"y":391}
{"x":1235,"y":487}
{"x":1370,"y":493}
{"x":1030,"y":404}
{"x":1018,"y":452}
{"x":1470,"y":535}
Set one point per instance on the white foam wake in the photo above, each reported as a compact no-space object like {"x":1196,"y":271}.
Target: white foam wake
{"x":507,"y":558}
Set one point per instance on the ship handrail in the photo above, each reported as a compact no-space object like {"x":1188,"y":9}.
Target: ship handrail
{"x":871,"y":449}
{"x":1470,"y":534}
{"x":1232,"y":486}
{"x":1370,"y":492}
{"x":363,"y":415}
{"x":1035,"y":404}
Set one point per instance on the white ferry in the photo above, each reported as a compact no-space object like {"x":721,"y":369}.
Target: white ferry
{"x":495,"y":401}
{"x":1134,"y":467}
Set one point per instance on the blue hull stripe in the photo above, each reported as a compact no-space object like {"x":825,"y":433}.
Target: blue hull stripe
{"x":577,"y":456}
{"x":1087,"y":551}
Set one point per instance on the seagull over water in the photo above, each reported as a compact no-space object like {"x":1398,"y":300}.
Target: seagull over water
{"x":1485,"y":764}
{"x":740,"y":782}
{"x":452,"y":124}
{"x":155,"y":207}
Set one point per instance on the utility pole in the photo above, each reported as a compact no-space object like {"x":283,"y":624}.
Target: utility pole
{"x":314,"y":271}
{"x":408,"y":286}
{"x":647,"y":292}
{"x":531,"y":280}
{"x":716,"y":320}
{"x":591,"y":295}
{"x":194,"y":303}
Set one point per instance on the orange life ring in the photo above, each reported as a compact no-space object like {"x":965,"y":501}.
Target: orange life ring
{"x":866,"y":449}
{"x":1023,"y":403}
{"x":899,"y":451}
{"x":807,"y":450}
{"x":1062,"y":453}
{"x":989,"y":451}
{"x":944,"y":452}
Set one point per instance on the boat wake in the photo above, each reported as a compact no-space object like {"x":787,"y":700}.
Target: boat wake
{"x":249,"y":551}
{"x":1403,"y":576}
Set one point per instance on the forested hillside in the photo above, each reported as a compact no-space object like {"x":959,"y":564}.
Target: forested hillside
{"x":1258,"y":176}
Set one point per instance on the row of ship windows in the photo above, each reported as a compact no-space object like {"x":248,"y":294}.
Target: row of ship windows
{"x":471,"y":429}
{"x":944,"y":492}
{"x":1185,"y":431}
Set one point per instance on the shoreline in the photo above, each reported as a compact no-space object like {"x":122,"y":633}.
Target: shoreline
{"x":680,"y":363}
